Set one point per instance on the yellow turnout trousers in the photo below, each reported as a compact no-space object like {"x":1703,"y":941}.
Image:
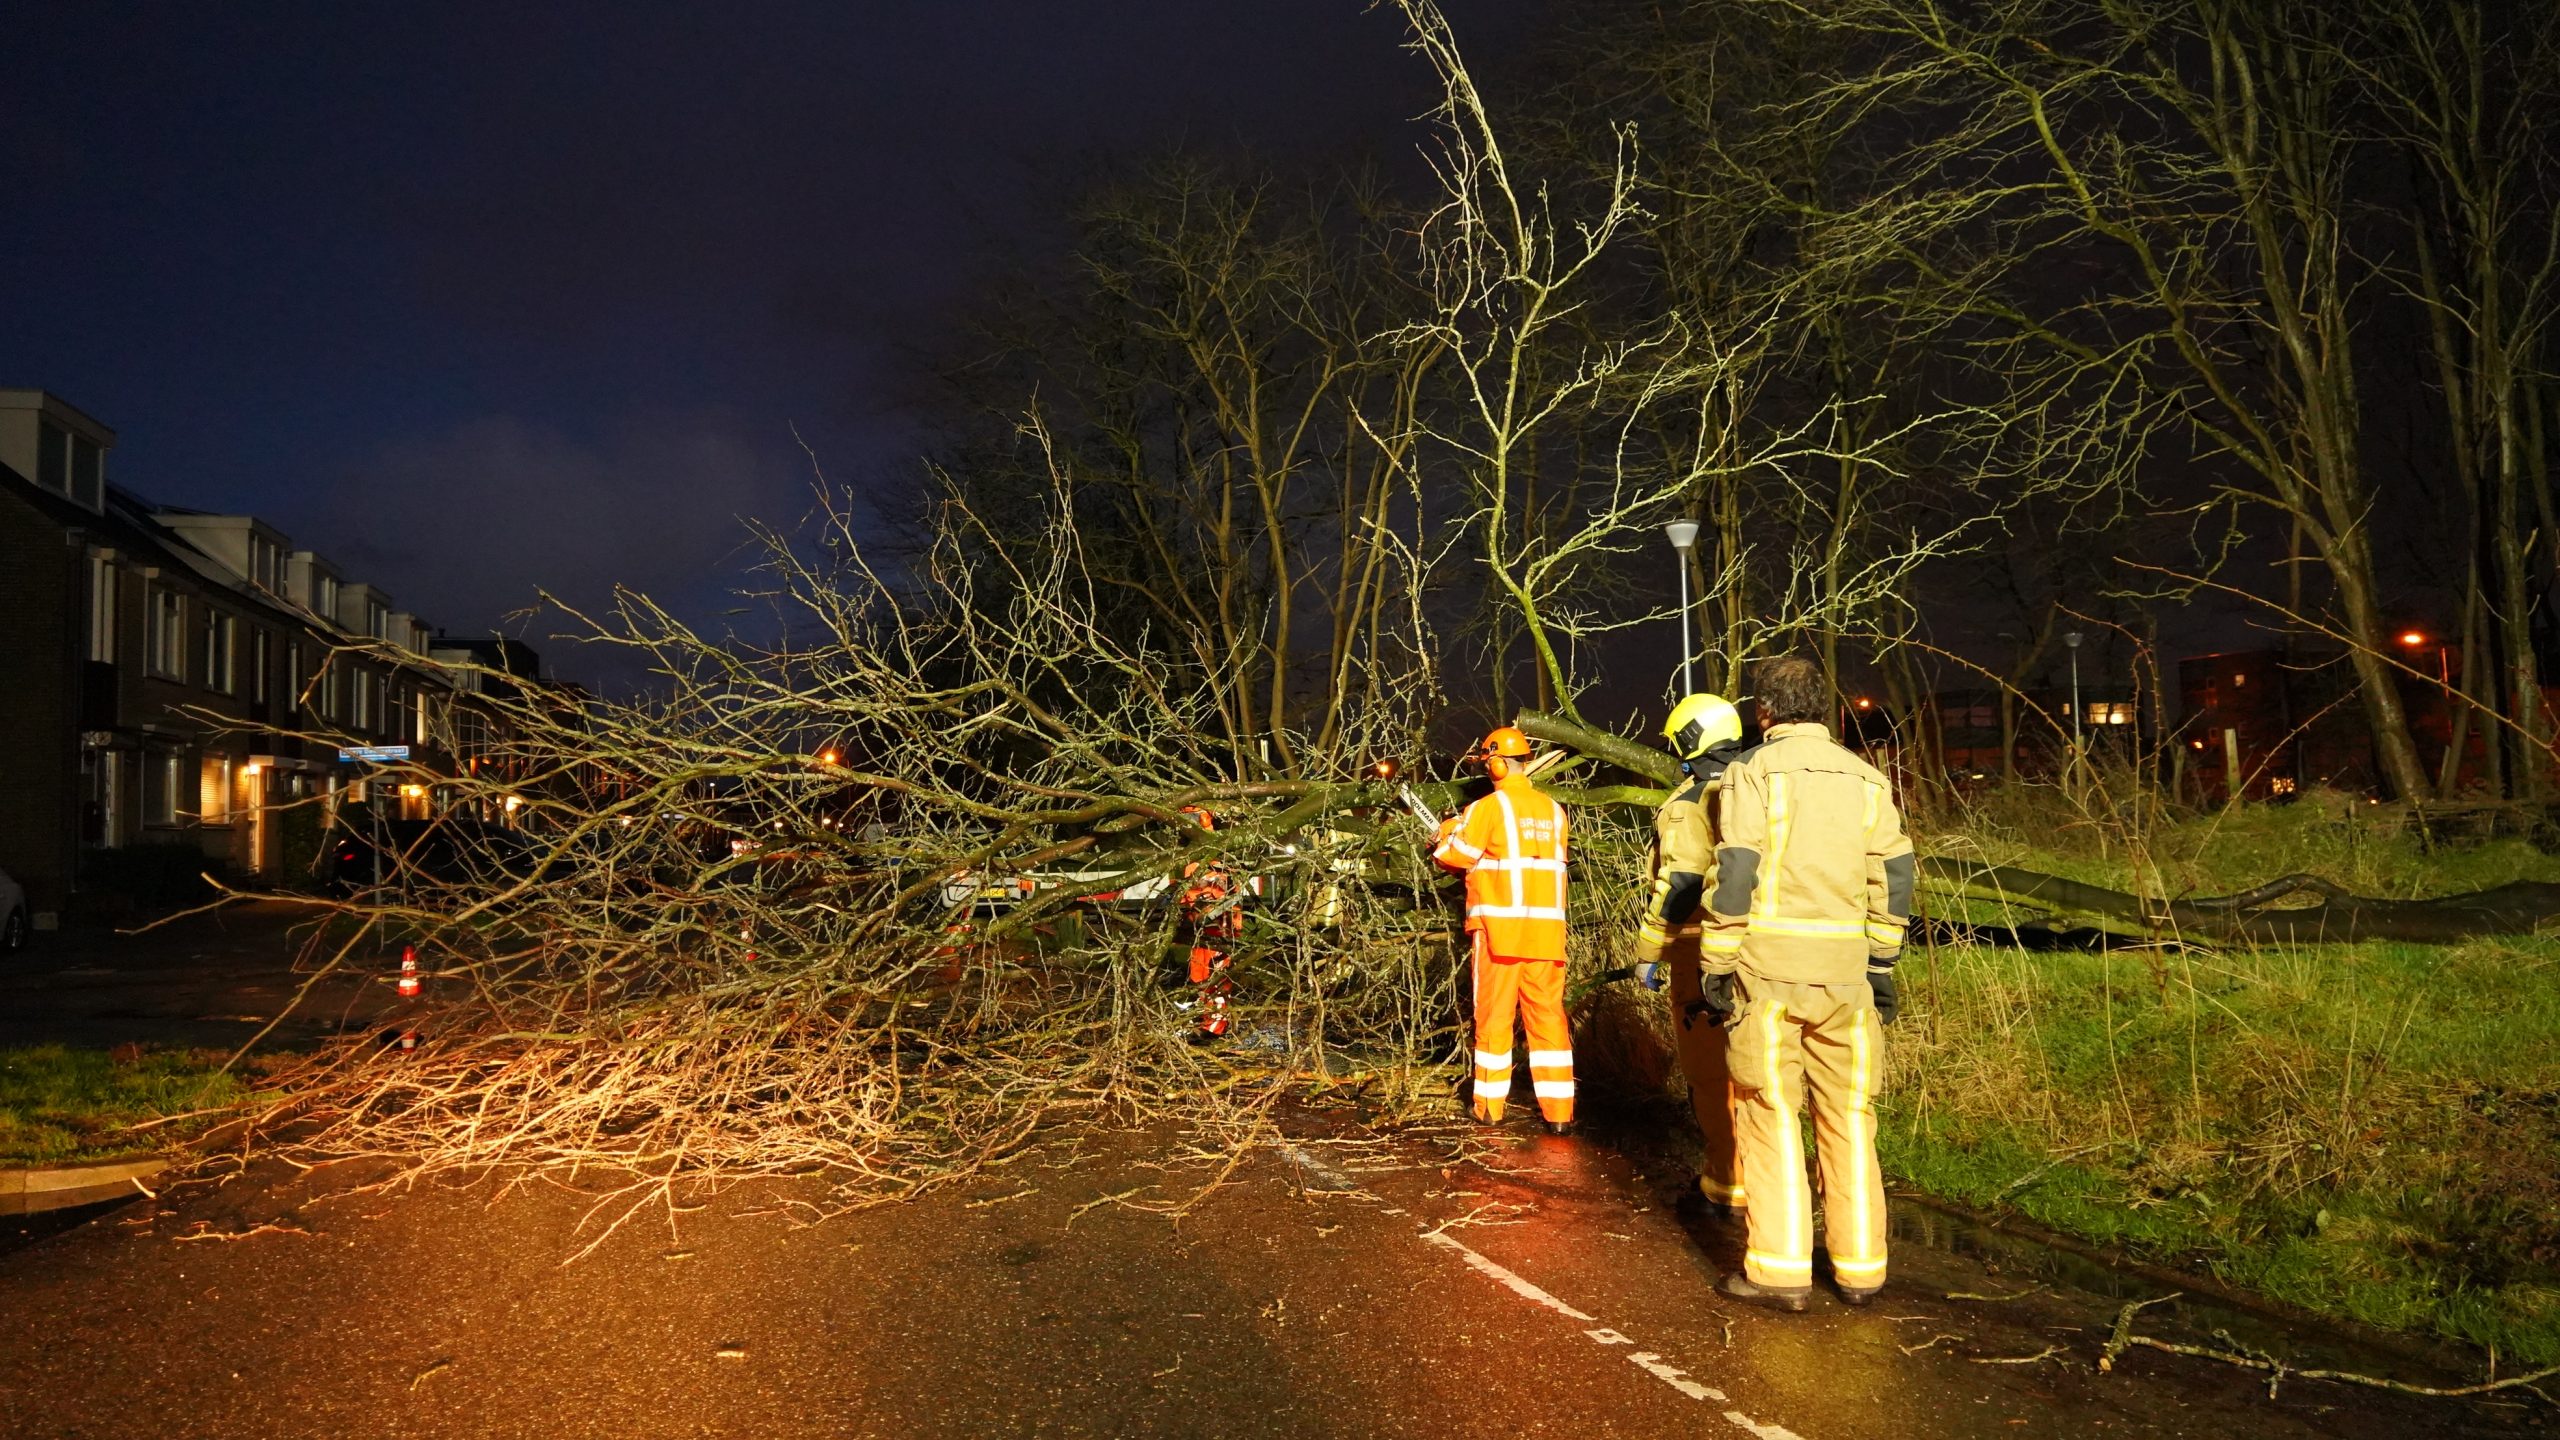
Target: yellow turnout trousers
{"x":1791,"y":1041}
{"x":1702,"y":1060}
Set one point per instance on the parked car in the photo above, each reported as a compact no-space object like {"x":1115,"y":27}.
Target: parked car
{"x":13,"y":915}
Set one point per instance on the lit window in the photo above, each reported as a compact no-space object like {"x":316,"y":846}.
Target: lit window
{"x":2111,"y":712}
{"x":261,"y":666}
{"x":213,"y":803}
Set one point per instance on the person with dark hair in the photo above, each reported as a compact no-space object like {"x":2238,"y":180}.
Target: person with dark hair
{"x":1811,"y":899}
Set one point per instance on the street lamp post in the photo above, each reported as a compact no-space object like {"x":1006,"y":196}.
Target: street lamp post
{"x":1684,"y":534}
{"x":2071,"y":642}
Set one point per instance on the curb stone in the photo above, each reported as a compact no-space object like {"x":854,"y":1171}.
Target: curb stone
{"x":36,"y":1189}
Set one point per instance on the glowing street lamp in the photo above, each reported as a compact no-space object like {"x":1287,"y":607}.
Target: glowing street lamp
{"x":1683,"y":535}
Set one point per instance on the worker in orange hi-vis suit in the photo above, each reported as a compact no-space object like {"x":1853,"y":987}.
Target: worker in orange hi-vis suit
{"x":1208,"y":901}
{"x":1511,"y":844}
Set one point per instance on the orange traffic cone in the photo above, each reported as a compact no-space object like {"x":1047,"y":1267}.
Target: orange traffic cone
{"x":408,"y":972}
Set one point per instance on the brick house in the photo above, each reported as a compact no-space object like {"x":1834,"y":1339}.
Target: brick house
{"x":177,"y":678}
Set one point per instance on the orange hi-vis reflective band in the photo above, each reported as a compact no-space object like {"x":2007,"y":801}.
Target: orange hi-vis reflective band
{"x":1511,"y":843}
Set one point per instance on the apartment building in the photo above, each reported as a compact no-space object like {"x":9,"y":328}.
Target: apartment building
{"x":182,"y":678}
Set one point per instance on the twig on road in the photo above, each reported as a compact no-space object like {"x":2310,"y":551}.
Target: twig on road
{"x":440,"y":1363}
{"x":269,"y":1229}
{"x":2047,"y":1353}
{"x":1121,"y":1196}
{"x":1931,"y":1343}
{"x":2231,"y":1352}
{"x":2037,"y":1289}
{"x":1001,"y":1199}
{"x":2123,"y":1333}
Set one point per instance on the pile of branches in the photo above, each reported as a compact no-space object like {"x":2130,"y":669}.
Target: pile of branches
{"x":829,"y":901}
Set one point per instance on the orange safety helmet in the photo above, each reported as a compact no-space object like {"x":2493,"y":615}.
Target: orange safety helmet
{"x":1202,"y":815}
{"x":1503,"y":750}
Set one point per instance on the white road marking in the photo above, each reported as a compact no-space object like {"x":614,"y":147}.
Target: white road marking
{"x":1652,"y":1365}
{"x":1510,"y":1281}
{"x":1313,"y":1166}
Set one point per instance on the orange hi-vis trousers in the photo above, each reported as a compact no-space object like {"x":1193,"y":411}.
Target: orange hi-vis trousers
{"x":1791,"y":1042}
{"x":1712,"y":1096}
{"x":1534,"y":990}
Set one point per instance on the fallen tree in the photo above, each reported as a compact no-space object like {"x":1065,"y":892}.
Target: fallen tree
{"x":2297,"y":909}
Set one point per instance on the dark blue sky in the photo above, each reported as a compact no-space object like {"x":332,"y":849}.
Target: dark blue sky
{"x":475,"y":298}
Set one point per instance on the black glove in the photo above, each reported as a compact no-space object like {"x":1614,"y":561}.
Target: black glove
{"x":1715,"y":993}
{"x":1888,"y":1000}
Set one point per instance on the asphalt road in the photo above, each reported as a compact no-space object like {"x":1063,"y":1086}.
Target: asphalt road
{"x":1343,"y":1286}
{"x":211,"y":981}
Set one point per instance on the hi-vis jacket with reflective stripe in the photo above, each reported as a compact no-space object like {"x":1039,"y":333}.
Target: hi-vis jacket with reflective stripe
{"x":1684,"y":860}
{"x":1813,"y":872}
{"x":1511,"y":843}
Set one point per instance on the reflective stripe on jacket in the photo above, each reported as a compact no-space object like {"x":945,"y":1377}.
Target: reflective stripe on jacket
{"x":1684,"y":864}
{"x":1511,"y":844}
{"x":1813,"y":873}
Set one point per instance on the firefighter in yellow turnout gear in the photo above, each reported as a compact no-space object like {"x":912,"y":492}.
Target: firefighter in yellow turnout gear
{"x":1705,"y":731}
{"x":1811,"y":900}
{"x":1511,"y":845}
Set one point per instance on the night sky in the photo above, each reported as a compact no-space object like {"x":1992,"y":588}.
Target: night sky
{"x":475,"y":298}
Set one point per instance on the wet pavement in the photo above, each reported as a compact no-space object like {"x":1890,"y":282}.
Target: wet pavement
{"x":1341,"y":1285}
{"x":209,"y":981}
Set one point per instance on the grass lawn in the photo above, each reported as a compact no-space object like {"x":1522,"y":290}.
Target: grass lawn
{"x":2367,"y":1130}
{"x":58,"y":1104}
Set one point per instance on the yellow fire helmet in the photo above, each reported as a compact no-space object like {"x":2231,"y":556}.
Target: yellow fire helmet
{"x":1699,"y":723}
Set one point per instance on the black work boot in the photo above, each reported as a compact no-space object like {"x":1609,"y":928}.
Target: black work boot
{"x":1852,"y":1295}
{"x":1738,"y":1286}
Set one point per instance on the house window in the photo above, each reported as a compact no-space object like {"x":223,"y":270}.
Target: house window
{"x":364,"y":701}
{"x":162,"y":776}
{"x":53,"y":458}
{"x":102,"y":609}
{"x":221,"y":638}
{"x":2111,"y":712}
{"x":88,"y":472}
{"x":213,"y":802}
{"x":333,"y":692}
{"x":324,"y":595}
{"x":266,"y":564}
{"x":108,"y":787}
{"x":261,"y":666}
{"x":377,"y":620}
{"x":168,"y":634}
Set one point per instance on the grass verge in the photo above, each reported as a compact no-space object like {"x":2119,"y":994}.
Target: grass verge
{"x":59,"y":1105}
{"x":2371,"y":1131}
